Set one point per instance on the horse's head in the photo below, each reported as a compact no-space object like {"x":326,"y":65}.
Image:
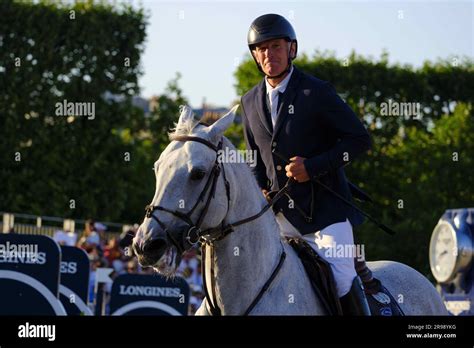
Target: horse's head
{"x":187,"y":175}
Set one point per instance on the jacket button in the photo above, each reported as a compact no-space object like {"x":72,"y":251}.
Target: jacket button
{"x":278,"y":167}
{"x":274,"y":144}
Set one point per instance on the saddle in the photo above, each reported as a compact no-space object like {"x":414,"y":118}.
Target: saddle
{"x":320,"y":274}
{"x":381,"y":301}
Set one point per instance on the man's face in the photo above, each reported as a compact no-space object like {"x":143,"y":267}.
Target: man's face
{"x":272,"y":55}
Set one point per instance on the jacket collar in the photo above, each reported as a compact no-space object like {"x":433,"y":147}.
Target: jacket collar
{"x":284,"y":109}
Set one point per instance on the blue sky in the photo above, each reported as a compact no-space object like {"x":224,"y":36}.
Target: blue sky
{"x":204,"y":40}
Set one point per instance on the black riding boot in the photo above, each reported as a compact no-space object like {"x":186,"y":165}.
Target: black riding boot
{"x":354,"y":302}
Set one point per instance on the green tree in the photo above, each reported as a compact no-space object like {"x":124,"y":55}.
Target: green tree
{"x":424,"y":173}
{"x":50,"y":53}
{"x":147,"y":145}
{"x":166,"y":113}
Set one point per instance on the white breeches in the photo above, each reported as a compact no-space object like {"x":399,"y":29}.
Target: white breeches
{"x":335,"y":244}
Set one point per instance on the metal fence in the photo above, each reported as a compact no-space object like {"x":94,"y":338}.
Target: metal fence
{"x":48,"y":225}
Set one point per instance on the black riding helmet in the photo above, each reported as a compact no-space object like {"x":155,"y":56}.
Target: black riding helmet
{"x":268,"y":27}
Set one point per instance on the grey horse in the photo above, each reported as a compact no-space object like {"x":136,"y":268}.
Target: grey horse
{"x":246,"y":258}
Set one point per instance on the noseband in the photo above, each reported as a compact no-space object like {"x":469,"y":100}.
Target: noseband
{"x":194,"y":233}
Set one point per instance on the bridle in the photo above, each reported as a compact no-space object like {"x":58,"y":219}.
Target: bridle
{"x":194,"y":232}
{"x":196,"y":235}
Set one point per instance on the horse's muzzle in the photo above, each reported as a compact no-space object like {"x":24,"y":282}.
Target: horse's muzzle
{"x":150,"y":251}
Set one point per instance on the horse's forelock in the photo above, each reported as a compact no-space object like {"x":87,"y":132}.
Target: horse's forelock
{"x":190,"y":127}
{"x":184,"y":128}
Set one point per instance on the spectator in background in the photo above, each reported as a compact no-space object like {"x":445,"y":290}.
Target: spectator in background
{"x":112,"y":251}
{"x":132,"y":266}
{"x":198,"y":276}
{"x":126,"y":237}
{"x":100,"y":229}
{"x":188,"y":275}
{"x":189,"y":260}
{"x":95,"y":262}
{"x":65,"y":238}
{"x":119,"y":267}
{"x":190,"y":270}
{"x":90,"y":239}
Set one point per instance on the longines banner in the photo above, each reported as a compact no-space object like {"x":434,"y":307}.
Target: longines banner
{"x":29,"y":275}
{"x":142,"y":294}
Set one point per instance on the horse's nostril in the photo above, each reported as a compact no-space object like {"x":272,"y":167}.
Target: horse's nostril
{"x":155,"y":248}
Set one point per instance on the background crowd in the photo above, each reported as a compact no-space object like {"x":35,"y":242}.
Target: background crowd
{"x":111,"y":252}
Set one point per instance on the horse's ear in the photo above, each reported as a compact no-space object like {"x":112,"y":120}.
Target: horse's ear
{"x":186,"y":114}
{"x":218,"y":128}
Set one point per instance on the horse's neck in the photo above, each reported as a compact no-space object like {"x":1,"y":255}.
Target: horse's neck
{"x":246,"y":258}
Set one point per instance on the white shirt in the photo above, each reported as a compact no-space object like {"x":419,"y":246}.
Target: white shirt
{"x":273,"y":92}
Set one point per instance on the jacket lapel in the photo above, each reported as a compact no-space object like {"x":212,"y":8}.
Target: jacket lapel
{"x":260,"y":100}
{"x":287,"y":100}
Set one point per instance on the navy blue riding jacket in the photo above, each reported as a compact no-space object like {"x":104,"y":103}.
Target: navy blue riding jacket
{"x":315,"y":123}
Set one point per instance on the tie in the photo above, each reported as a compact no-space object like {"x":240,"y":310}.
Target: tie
{"x":274,"y":94}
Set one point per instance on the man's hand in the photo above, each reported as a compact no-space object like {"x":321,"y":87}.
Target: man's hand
{"x":297,"y":170}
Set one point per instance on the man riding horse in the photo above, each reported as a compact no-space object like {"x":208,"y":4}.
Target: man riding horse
{"x":301,"y":117}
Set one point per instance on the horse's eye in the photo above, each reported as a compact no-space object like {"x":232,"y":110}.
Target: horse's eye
{"x":197,"y":174}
